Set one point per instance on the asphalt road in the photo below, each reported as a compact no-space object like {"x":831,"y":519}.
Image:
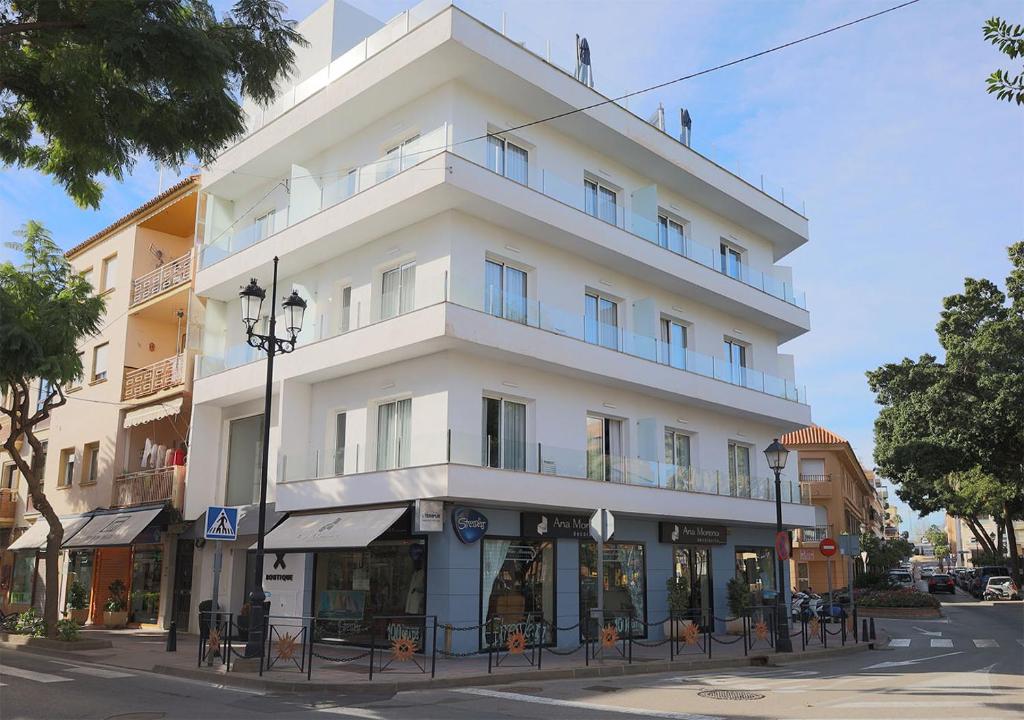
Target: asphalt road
{"x":970,"y":664}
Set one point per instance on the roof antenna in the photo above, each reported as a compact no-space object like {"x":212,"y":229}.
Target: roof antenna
{"x":686,"y":124}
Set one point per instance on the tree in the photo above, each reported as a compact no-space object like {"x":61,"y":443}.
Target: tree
{"x":86,"y":86}
{"x":1010,"y":41}
{"x":885,"y":554}
{"x":938,"y":539}
{"x":45,"y":309}
{"x":952,"y":433}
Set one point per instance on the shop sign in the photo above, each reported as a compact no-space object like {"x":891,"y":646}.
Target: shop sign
{"x":554,"y":525}
{"x":690,"y":534}
{"x":428,"y":516}
{"x":470,"y":525}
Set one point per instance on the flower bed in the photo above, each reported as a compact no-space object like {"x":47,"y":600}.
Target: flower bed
{"x":902,"y":598}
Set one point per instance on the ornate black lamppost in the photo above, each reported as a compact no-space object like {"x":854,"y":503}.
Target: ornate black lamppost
{"x":776,"y":453}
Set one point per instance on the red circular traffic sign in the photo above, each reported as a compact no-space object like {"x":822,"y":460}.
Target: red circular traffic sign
{"x":828,"y":547}
{"x":782,"y":545}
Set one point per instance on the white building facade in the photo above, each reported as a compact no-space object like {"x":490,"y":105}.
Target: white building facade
{"x":506,"y":329}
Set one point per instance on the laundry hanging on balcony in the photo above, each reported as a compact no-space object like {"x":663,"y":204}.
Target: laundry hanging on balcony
{"x":152,"y":412}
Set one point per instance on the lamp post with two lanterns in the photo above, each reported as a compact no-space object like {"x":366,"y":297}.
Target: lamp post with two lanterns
{"x":776,"y":454}
{"x":294,"y":308}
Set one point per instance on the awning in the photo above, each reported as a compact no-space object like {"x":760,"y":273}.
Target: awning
{"x":114,"y":529}
{"x":152,"y":412}
{"x":248,"y":522}
{"x":35,"y":537}
{"x":354,"y":529}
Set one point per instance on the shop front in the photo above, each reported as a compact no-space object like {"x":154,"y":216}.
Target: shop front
{"x":756,"y":567}
{"x":27,"y":585}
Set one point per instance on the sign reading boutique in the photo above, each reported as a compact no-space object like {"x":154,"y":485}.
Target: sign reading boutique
{"x":691,"y":534}
{"x":554,"y":525}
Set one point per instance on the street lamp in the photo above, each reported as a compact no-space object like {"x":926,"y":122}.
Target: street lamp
{"x":294,"y":307}
{"x":776,"y":454}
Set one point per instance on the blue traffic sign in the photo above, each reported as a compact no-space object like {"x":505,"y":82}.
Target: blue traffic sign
{"x":221,"y":523}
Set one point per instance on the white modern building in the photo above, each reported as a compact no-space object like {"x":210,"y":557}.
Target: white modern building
{"x":506,"y":330}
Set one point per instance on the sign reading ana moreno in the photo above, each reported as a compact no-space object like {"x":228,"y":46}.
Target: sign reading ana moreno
{"x":692,"y":534}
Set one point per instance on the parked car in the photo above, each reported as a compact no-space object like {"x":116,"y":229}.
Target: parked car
{"x":900,"y":579}
{"x":1001,"y":587}
{"x":927,"y":572}
{"x":942,"y":583}
{"x":965,"y":578}
{"x":981,"y":576}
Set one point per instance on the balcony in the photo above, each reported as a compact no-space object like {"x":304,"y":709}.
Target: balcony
{"x":150,"y":486}
{"x":8,"y":507}
{"x":816,"y":486}
{"x":166,"y":277}
{"x":812,"y":536}
{"x":152,"y":379}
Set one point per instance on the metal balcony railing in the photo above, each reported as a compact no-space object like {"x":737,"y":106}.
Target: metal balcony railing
{"x":176,"y":272}
{"x":145,"y":487}
{"x":149,"y":380}
{"x":814,"y":534}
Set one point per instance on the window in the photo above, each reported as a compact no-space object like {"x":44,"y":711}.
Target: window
{"x":264,"y":226}
{"x":91,"y":462}
{"x":732,"y":261}
{"x":346,"y":309}
{"x":673,"y":343}
{"x":756,"y":567}
{"x":398,"y":289}
{"x":397,"y":158}
{"x":245,"y":458}
{"x":9,"y":477}
{"x":518,"y":590}
{"x":108,"y":274}
{"x":736,"y":361}
{"x":677,"y":459}
{"x":340,"y":422}
{"x":601,"y":321}
{"x":44,"y":446}
{"x":87,"y":275}
{"x":80,"y":566}
{"x":67,"y":467}
{"x":508,"y":159}
{"x":604,"y":449}
{"x":739,"y":469}
{"x":671,"y":234}
{"x":22,"y":576}
{"x":99,"y":362}
{"x":77,"y":382}
{"x":504,"y":291}
{"x":625,"y":594}
{"x":504,"y":434}
{"x":44,"y":392}
{"x":144,"y":601}
{"x":600,"y":201}
{"x":340,"y":187}
{"x":394,"y":425}
{"x":812,"y":470}
{"x":803,"y":576}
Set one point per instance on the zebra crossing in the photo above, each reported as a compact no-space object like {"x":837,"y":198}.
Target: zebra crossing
{"x":77,"y":672}
{"x":942,"y":642}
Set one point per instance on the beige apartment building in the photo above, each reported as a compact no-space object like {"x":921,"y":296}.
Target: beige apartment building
{"x":115,"y":463}
{"x":846,"y":501}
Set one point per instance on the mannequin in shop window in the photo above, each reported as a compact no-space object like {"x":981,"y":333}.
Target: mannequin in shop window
{"x":416,"y":599}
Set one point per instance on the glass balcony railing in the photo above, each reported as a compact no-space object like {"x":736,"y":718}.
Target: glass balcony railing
{"x":520,"y":456}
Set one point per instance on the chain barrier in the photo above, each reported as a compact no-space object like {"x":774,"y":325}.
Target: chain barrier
{"x":327,"y":658}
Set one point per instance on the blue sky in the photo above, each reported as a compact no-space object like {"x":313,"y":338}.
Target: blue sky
{"x":911,"y":174}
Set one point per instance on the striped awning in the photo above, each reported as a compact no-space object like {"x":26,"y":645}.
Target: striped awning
{"x":152,"y":412}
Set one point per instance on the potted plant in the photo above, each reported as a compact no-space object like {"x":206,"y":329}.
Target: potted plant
{"x":115,"y":611}
{"x":739,"y":598}
{"x":78,"y":602}
{"x":678,"y":603}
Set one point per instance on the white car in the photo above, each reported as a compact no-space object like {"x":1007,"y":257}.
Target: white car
{"x":901,"y":579}
{"x":1001,"y":587}
{"x":927,"y":572}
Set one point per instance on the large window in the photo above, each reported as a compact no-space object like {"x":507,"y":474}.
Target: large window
{"x":397,"y":158}
{"x":508,"y":159}
{"x":671,"y":234}
{"x":67,"y":467}
{"x":108,"y":276}
{"x":504,"y":434}
{"x":80,"y":566}
{"x":739,"y":469}
{"x":398,"y":290}
{"x":340,"y":431}
{"x":518,"y":589}
{"x":386,"y":578}
{"x":144,"y":603}
{"x":44,"y":392}
{"x":600,"y":201}
{"x":694,"y":564}
{"x":264,"y":225}
{"x":604,"y":449}
{"x":99,"y":362}
{"x":245,"y":457}
{"x":91,"y":463}
{"x":736,"y":361}
{"x":677,"y":460}
{"x":673,"y":343}
{"x":23,"y":575}
{"x":504,"y":291}
{"x":346,"y":309}
{"x":756,"y":567}
{"x":394,"y":441}
{"x":9,"y":478}
{"x":625,"y":585}
{"x":601,"y":321}
{"x":731,"y":261}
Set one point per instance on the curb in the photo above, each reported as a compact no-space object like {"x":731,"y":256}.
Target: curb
{"x":23,"y":642}
{"x":383,"y":687}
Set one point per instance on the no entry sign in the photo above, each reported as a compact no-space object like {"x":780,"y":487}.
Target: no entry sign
{"x":828,"y":547}
{"x":782,"y":545}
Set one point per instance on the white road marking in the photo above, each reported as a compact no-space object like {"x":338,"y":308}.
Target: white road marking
{"x":899,"y":642}
{"x":594,"y":707}
{"x":356,"y":712}
{"x":99,"y":672}
{"x":942,"y":642}
{"x":904,"y":703}
{"x":901,"y":663}
{"x":32,"y":675}
{"x":935,"y":633}
{"x":985,"y":643}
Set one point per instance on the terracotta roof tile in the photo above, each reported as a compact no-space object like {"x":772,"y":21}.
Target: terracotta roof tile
{"x":812,"y":435}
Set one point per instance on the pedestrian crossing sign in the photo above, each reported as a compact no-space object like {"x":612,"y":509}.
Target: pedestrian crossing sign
{"x":221,"y":523}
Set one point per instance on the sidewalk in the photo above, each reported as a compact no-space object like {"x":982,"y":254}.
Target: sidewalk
{"x":347,"y":669}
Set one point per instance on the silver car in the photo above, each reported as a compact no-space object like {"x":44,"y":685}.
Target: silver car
{"x":901,"y":579}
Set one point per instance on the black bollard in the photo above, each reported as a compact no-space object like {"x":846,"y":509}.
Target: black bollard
{"x":864,"y":629}
{"x":872,"y":629}
{"x":172,"y":637}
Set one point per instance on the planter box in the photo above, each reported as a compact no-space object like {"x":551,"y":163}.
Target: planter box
{"x":674,"y":628}
{"x":15,"y":641}
{"x":79,"y":616}
{"x":115,"y":619}
{"x":734,"y":627}
{"x":897,"y":613}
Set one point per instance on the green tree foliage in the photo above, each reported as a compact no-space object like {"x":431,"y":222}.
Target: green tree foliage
{"x":87,"y":86}
{"x":940,"y":542}
{"x":45,"y":309}
{"x":1010,"y":41}
{"x":952,"y":433}
{"x":885,"y":554}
